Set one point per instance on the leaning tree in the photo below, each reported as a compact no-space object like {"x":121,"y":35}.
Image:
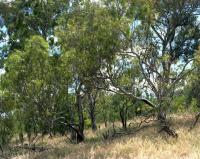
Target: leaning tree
{"x":161,"y":48}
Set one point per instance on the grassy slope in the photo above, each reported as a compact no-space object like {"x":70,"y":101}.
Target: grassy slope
{"x":147,"y":144}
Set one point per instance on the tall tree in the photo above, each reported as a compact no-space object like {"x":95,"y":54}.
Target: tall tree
{"x":87,"y":38}
{"x":25,"y":79}
{"x":163,"y":49}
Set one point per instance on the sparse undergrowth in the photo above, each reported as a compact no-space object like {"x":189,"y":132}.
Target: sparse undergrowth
{"x":145,"y":144}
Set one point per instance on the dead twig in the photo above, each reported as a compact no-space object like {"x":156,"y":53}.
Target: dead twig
{"x":139,"y":128}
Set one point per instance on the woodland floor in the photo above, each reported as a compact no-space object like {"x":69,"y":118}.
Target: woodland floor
{"x":146,"y":144}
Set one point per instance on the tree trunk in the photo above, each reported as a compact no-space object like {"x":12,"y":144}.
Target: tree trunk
{"x":105,"y":121}
{"x":1,"y":148}
{"x":123,"y":116}
{"x":80,"y":135}
{"x":29,"y":137}
{"x":21,"y":138}
{"x":73,"y":133}
{"x":93,"y":122}
{"x":92,"y":105}
{"x":71,"y":114}
{"x":165,"y":126}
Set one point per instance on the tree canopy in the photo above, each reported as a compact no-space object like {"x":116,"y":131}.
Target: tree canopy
{"x":68,"y":65}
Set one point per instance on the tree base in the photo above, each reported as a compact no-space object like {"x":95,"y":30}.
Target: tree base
{"x":169,"y":131}
{"x":77,"y":136}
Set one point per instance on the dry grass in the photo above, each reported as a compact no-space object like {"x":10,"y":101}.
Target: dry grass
{"x":147,"y":144}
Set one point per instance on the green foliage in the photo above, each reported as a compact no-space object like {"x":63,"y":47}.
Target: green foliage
{"x":6,"y":128}
{"x":178,"y":104}
{"x":194,"y":107}
{"x":33,"y":77}
{"x":193,"y":87}
{"x":27,"y":18}
{"x":90,"y":37}
{"x":61,"y":51}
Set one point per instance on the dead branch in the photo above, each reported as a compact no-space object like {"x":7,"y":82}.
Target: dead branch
{"x":145,"y":121}
{"x":131,"y":132}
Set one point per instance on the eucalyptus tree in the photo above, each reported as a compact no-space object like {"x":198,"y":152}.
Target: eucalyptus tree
{"x":26,"y":77}
{"x":21,"y":20}
{"x":162,"y":48}
{"x":87,"y":37}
